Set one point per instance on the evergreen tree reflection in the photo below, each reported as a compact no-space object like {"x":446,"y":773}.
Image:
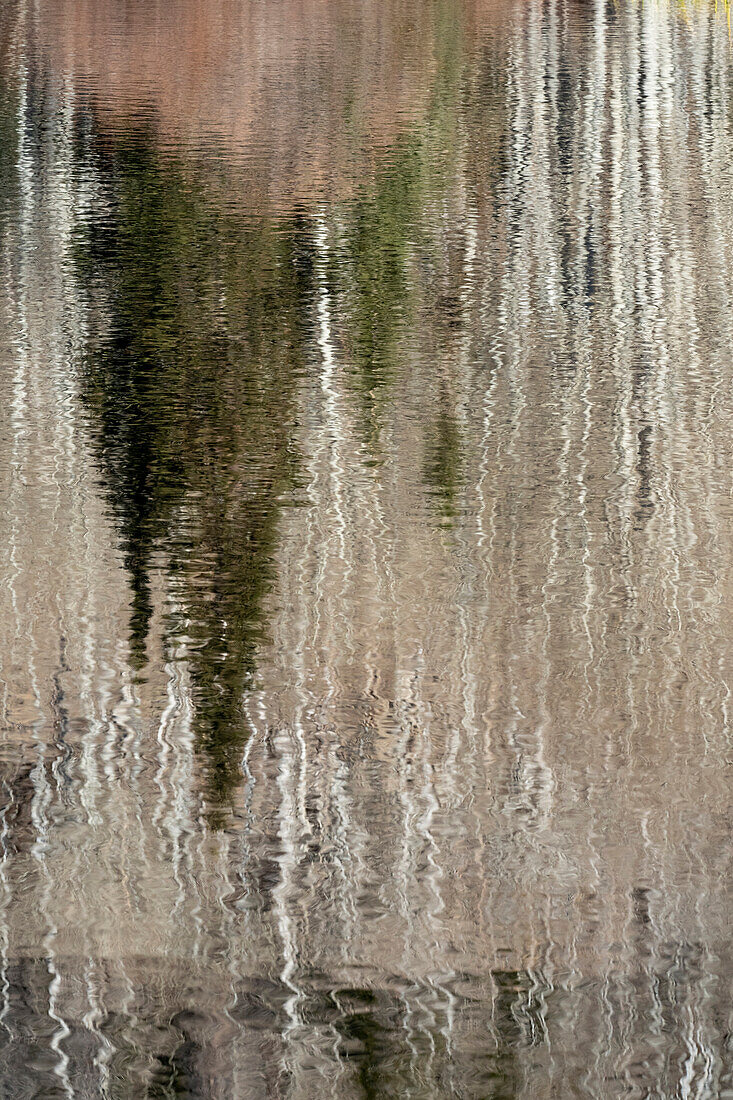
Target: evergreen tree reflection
{"x":190,"y":386}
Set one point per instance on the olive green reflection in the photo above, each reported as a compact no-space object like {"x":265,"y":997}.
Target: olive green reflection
{"x":203,"y":322}
{"x":189,"y":384}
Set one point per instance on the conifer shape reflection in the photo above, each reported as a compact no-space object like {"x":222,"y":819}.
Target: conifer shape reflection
{"x":189,"y":387}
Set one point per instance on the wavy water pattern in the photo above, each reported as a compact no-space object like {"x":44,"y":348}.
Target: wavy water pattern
{"x":365,"y":458}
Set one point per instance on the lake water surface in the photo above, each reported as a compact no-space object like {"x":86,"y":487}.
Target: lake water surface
{"x":366,"y":602}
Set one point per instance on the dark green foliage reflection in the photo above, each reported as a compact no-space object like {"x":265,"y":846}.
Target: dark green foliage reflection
{"x":203,"y":321}
{"x":189,"y":387}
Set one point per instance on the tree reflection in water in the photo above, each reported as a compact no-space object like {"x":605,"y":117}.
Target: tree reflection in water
{"x":365,"y":629}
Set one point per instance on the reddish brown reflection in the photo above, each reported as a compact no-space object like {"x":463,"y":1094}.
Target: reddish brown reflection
{"x":308,"y":90}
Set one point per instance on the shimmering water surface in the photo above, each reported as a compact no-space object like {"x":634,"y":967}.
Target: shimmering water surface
{"x":366,"y":455}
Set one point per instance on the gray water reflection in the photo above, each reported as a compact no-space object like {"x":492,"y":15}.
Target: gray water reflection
{"x":365,"y":464}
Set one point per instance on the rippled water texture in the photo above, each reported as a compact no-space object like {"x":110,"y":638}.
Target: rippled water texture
{"x":366,"y":455}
